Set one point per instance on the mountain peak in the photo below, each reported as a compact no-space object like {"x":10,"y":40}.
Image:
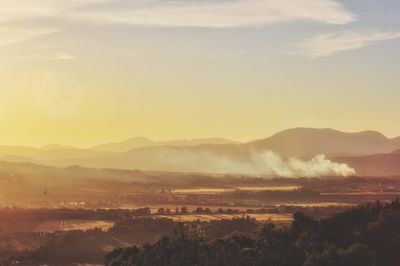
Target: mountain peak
{"x":140,"y":142}
{"x":56,"y":146}
{"x":311,"y":141}
{"x":308,"y":130}
{"x":305,"y":130}
{"x":129,"y":144}
{"x":139,"y":138}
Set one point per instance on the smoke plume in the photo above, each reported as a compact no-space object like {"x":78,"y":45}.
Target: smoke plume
{"x":255,"y":163}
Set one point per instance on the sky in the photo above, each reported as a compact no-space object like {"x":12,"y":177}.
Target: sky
{"x":87,"y":72}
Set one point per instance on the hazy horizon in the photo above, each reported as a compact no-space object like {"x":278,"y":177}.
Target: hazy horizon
{"x":111,"y":141}
{"x":199,"y":132}
{"x":84,"y":73}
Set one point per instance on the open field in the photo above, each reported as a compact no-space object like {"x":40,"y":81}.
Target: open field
{"x":268,"y":188}
{"x":214,"y":208}
{"x":318,"y":204}
{"x":211,"y":217}
{"x":202,"y":191}
{"x":363,"y":193}
{"x":239,"y":188}
{"x":53,"y":226}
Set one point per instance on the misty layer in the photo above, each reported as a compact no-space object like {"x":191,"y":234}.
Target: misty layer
{"x":257,"y":163}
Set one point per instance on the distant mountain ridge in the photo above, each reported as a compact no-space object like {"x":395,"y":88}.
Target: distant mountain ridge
{"x":46,"y":153}
{"x":298,"y":142}
{"x":139,"y":142}
{"x":57,"y":147}
{"x":303,"y":142}
{"x":373,"y":165}
{"x":126,"y":145}
{"x":219,"y":154}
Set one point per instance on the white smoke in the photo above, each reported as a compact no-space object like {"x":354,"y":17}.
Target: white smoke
{"x":320,"y":166}
{"x":271,"y":163}
{"x":257,"y":163}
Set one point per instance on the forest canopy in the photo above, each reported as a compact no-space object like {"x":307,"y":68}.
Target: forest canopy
{"x":368,"y":235}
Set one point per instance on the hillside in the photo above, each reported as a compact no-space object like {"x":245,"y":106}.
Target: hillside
{"x":373,"y":165}
{"x":126,"y":145}
{"x":46,"y":153}
{"x":256,"y":158}
{"x":140,"y":142}
{"x":202,"y":158}
{"x":269,"y":156}
{"x":363,"y":236}
{"x":304,"y":142}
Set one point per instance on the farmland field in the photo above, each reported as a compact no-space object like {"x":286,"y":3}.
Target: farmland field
{"x":269,"y":188}
{"x":54,"y":225}
{"x":202,"y":191}
{"x":239,"y":188}
{"x":318,"y":204}
{"x":210,"y":217}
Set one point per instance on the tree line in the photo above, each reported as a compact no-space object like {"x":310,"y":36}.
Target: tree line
{"x":368,"y":235}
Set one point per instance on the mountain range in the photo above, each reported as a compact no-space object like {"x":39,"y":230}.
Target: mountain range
{"x":301,"y":142}
{"x":368,"y":152}
{"x":138,"y":142}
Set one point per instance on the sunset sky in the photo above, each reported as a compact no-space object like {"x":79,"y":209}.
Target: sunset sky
{"x":85,"y":72}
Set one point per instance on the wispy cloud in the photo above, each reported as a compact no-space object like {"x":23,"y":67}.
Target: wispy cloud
{"x":334,"y":43}
{"x":15,"y":34}
{"x":228,"y":54}
{"x":24,"y":20}
{"x":217,"y":14}
{"x":175,"y":13}
{"x":41,"y":57}
{"x":33,"y":9}
{"x":20,"y":20}
{"x":62,"y":56}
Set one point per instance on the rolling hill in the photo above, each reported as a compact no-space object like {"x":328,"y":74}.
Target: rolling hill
{"x":305,"y":142}
{"x":202,"y":158}
{"x":373,"y":165}
{"x":140,"y":142}
{"x":46,"y":153}
{"x":126,"y":145}
{"x":369,"y":152}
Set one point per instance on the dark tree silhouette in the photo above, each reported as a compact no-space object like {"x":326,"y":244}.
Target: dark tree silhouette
{"x":368,"y":235}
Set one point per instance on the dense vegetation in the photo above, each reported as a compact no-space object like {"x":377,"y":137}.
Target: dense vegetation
{"x":368,"y":235}
{"x":34,"y":215}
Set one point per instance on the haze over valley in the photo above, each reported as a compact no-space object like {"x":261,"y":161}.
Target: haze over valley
{"x":291,"y":153}
{"x":199,"y":132}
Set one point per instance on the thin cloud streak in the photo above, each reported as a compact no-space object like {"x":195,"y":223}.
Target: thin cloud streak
{"x":218,"y":14}
{"x":21,"y":20}
{"x":15,"y":34}
{"x":38,"y":9}
{"x":180,"y":13}
{"x":29,"y":19}
{"x":41,"y":57}
{"x":333,"y":43}
{"x":63,"y":56}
